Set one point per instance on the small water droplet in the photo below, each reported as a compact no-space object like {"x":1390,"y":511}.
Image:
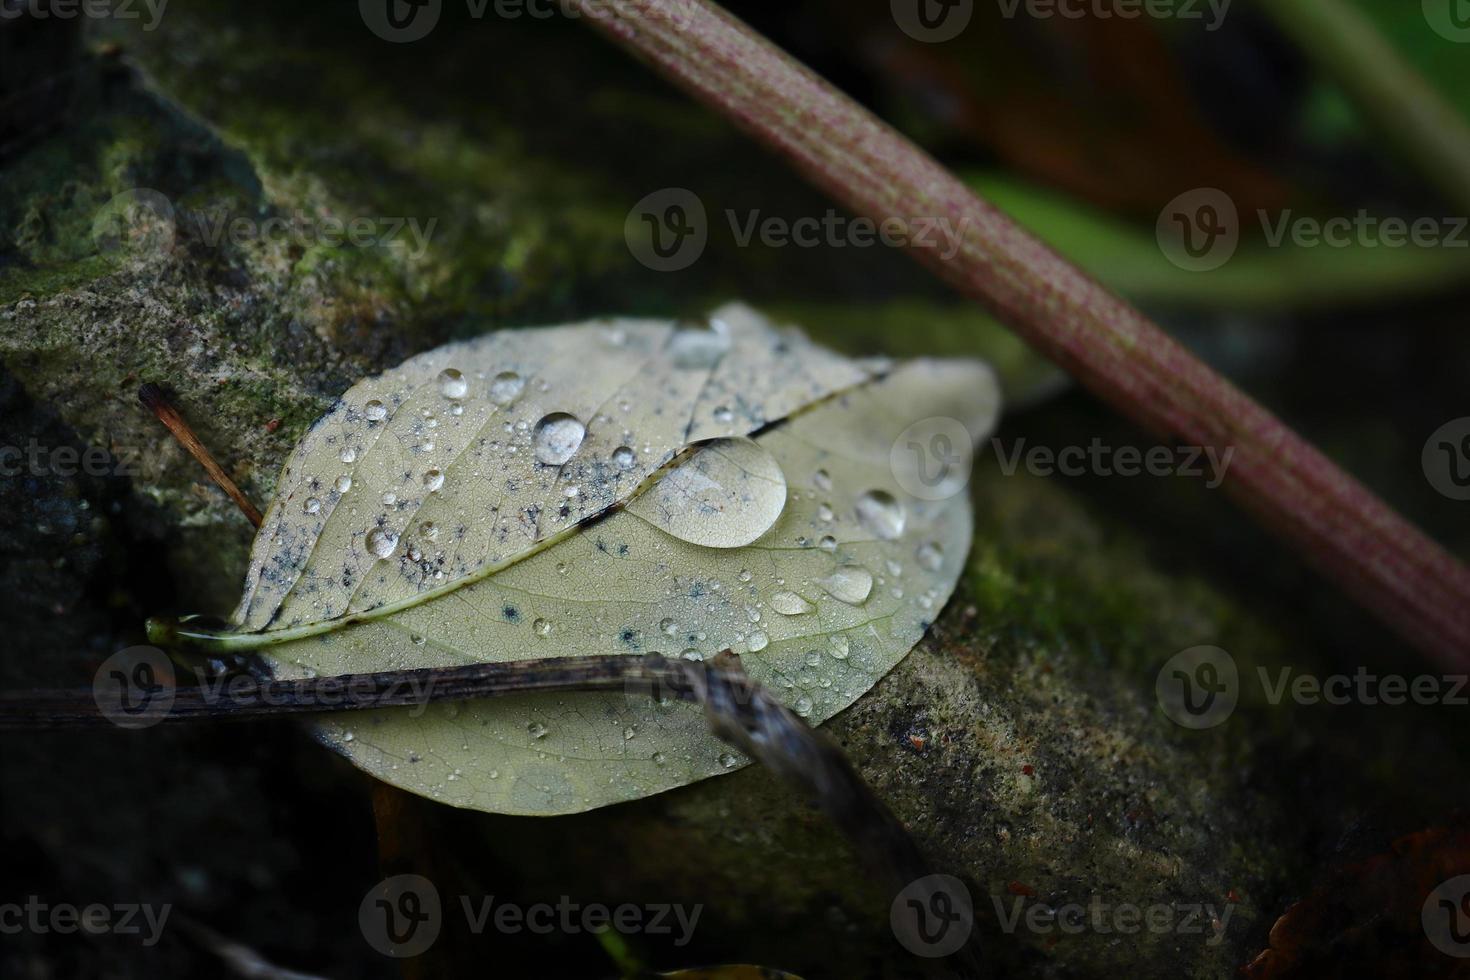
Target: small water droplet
{"x":727,"y":761}
{"x":629,"y":734}
{"x":390,"y":498}
{"x":930,"y":556}
{"x":839,"y":645}
{"x":723,"y":415}
{"x":348,"y":736}
{"x":822,"y":480}
{"x":828,"y":543}
{"x":624,"y":457}
{"x":349,"y":455}
{"x":803,"y":706}
{"x":505,"y":387}
{"x":849,"y":583}
{"x":536,"y":729}
{"x":690,"y":653}
{"x":433,"y":479}
{"x":542,"y":627}
{"x":745,"y":575}
{"x":381,"y":542}
{"x":452,"y":384}
{"x":375,"y":410}
{"x":668,"y":626}
{"x":813,"y":658}
{"x":788,"y":603}
{"x":893,"y":567}
{"x":312,"y":505}
{"x":429,"y":530}
{"x":658,"y":758}
{"x":758,"y":641}
{"x":824,"y":513}
{"x":881,"y":514}
{"x":557,"y":438}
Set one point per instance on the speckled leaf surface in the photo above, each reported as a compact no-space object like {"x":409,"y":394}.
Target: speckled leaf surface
{"x":759,"y":512}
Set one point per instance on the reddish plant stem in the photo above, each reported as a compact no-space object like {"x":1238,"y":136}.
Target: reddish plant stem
{"x":1373,"y":553}
{"x":157,"y":402}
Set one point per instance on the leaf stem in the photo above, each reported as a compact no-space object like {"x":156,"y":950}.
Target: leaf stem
{"x":1374,"y":554}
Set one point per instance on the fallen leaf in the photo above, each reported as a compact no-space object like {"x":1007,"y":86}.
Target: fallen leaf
{"x":617,"y":487}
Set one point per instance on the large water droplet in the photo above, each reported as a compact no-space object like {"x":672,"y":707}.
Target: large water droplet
{"x":624,"y":458}
{"x":433,"y":480}
{"x":696,"y":348}
{"x":381,"y":542}
{"x":557,"y":438}
{"x":312,"y":505}
{"x":375,"y":410}
{"x":849,"y":583}
{"x":880,"y":514}
{"x":790,"y":604}
{"x":452,"y":384}
{"x":725,"y":495}
{"x":344,"y":483}
{"x":758,"y":641}
{"x":505,"y":387}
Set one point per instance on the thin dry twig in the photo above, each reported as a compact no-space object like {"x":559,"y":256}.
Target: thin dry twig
{"x":152,"y":396}
{"x":740,"y":713}
{"x":1379,"y":558}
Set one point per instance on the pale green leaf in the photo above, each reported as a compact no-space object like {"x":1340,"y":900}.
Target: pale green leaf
{"x":758,"y":512}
